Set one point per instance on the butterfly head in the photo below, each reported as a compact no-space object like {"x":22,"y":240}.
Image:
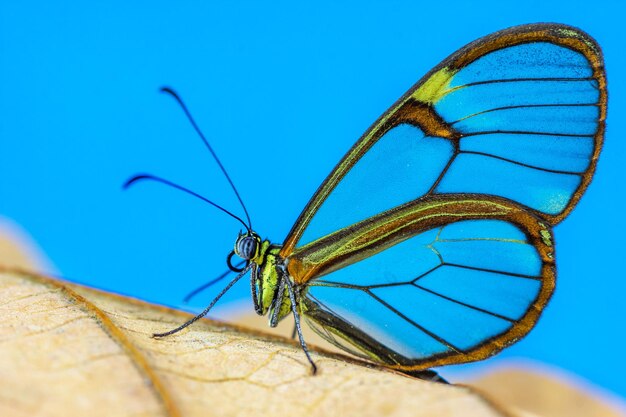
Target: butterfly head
{"x":247,"y":245}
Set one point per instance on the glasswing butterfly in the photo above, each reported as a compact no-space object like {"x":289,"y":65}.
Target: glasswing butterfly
{"x":431,"y":243}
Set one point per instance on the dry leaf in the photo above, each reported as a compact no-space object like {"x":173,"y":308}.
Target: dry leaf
{"x":52,"y":366}
{"x":67,"y":350}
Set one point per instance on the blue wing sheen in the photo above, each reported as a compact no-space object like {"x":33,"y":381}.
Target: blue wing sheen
{"x":541,"y":190}
{"x":536,"y":151}
{"x":501,"y":294}
{"x":458,"y":325}
{"x":463,"y":101}
{"x":399,"y":263}
{"x":372,"y":317}
{"x":530,"y":60}
{"x":503,"y":256}
{"x":400,"y":167}
{"x":527,"y":115}
{"x":456,"y":287}
{"x":557,"y":120}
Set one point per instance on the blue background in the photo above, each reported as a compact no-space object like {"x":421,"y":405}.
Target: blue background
{"x":282,"y":91}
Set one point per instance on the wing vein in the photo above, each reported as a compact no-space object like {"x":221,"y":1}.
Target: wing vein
{"x":428,"y":332}
{"x":464,"y":304}
{"x":554,"y":171}
{"x":494,"y":271}
{"x":512,"y":80}
{"x":526,"y":132}
{"x":523,"y":106}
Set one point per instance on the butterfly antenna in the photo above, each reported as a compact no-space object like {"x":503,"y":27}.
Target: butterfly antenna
{"x":141,"y":177}
{"x":210,"y":283}
{"x":206,"y":310}
{"x":172,"y":93}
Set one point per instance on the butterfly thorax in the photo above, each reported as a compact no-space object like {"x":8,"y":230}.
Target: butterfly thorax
{"x":267,"y":270}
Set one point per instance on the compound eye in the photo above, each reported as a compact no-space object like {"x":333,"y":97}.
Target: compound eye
{"x":247,"y":247}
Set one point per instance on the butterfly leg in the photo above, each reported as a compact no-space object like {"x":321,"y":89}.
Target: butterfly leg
{"x":253,"y":280}
{"x":278,"y":301}
{"x":296,"y":317}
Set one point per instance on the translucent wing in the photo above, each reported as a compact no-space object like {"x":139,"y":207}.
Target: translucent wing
{"x":450,"y":292}
{"x":430,"y":242}
{"x":518,"y":115}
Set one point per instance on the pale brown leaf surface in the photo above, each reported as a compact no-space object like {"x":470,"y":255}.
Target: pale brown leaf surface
{"x":71,"y":350}
{"x":525,"y":388}
{"x":60,"y":354}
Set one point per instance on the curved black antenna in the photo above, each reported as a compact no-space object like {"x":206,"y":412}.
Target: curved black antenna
{"x":172,"y":93}
{"x":140,"y":177}
{"x":212,"y":282}
{"x":234,"y":268}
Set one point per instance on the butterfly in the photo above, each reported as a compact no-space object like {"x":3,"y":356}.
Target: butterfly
{"x":430,"y":243}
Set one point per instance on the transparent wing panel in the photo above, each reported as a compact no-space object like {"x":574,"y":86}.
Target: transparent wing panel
{"x":370,"y":316}
{"x":458,"y":325}
{"x":549,"y":120}
{"x":396,"y":264}
{"x":528,"y":115}
{"x":444,"y":291}
{"x":536,"y":151}
{"x":540,"y":189}
{"x":530,"y":60}
{"x":502,"y":294}
{"x":399,"y":168}
{"x":476,"y":98}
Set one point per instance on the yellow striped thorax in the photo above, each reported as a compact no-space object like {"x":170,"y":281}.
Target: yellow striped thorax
{"x":266,"y":263}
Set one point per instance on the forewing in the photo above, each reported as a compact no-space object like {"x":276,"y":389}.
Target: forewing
{"x":518,"y":114}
